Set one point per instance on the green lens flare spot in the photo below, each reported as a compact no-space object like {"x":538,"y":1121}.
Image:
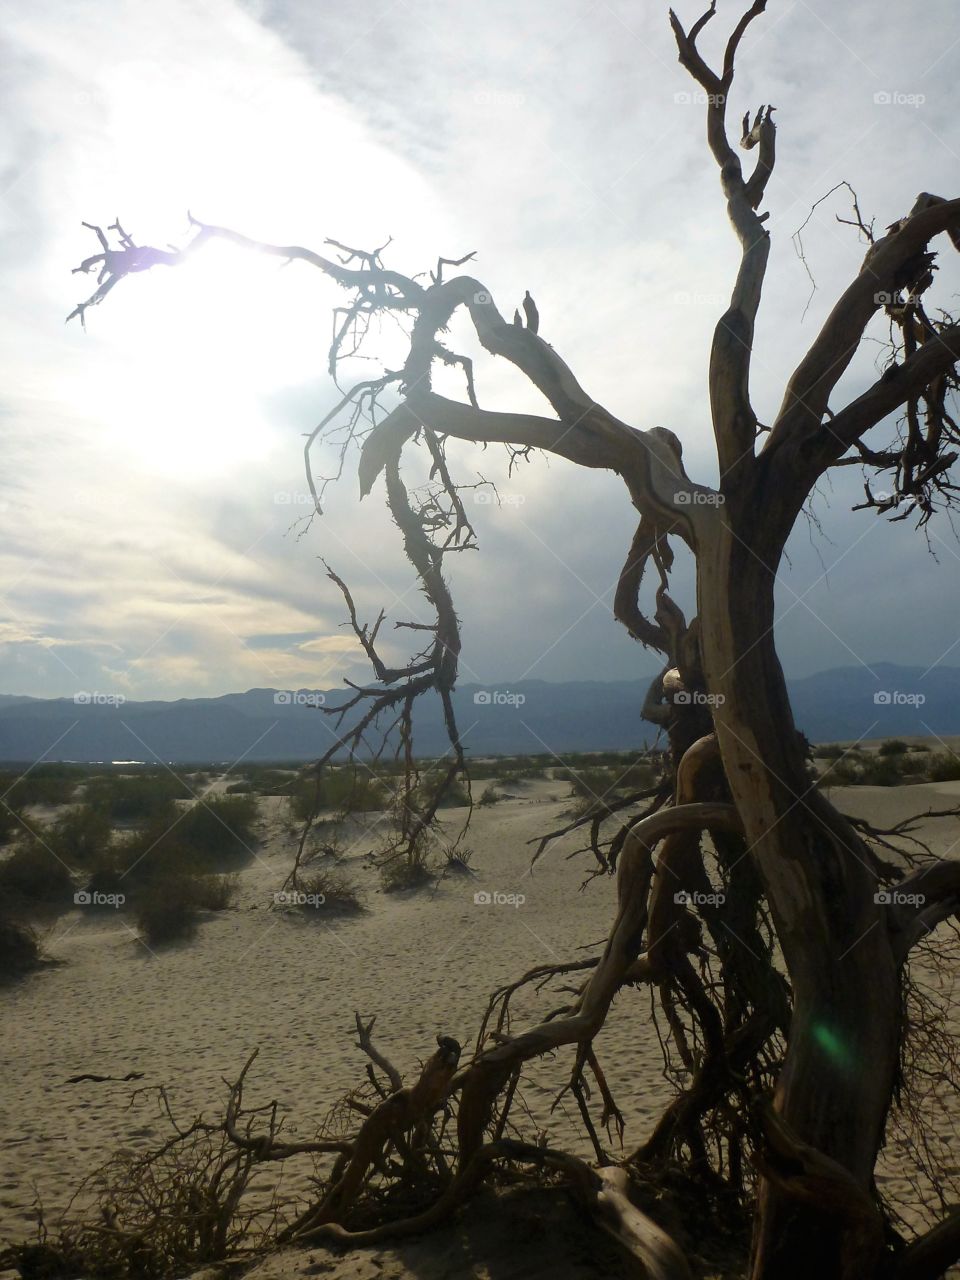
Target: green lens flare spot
{"x":833,"y":1046}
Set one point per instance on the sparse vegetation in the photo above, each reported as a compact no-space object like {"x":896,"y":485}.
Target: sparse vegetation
{"x":33,"y":877}
{"x":140,"y":797}
{"x":20,"y":949}
{"x":944,"y":767}
{"x":168,"y":908}
{"x":81,"y":837}
{"x":40,"y":785}
{"x":335,"y":894}
{"x":344,"y":789}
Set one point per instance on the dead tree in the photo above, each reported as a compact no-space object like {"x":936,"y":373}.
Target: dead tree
{"x":827,"y":1043}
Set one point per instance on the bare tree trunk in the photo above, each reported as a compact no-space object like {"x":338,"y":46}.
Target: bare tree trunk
{"x":843,"y":1046}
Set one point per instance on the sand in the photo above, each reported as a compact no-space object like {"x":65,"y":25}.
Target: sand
{"x":423,"y":962}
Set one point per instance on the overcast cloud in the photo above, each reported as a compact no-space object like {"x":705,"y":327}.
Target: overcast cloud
{"x":153,"y":475}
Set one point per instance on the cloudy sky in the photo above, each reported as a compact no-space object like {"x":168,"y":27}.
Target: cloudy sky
{"x":153,"y":472}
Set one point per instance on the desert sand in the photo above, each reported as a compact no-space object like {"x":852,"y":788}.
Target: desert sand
{"x":289,"y":981}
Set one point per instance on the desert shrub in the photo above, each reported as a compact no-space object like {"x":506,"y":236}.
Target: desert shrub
{"x":841,"y":772}
{"x":219,"y":828}
{"x":212,"y":833}
{"x":43,"y":784}
{"x":141,"y":797}
{"x":920,"y":748}
{"x":80,"y":837}
{"x":216,"y":893}
{"x":457,"y":859}
{"x":490,"y":796}
{"x":167,"y":910}
{"x":638,"y":776}
{"x":20,"y":949}
{"x":345,"y":789}
{"x":34,"y":877}
{"x":893,"y":747}
{"x":336,"y":894}
{"x":401,"y":873}
{"x":10,"y":824}
{"x":411,"y":869}
{"x":944,"y":767}
{"x":241,"y":788}
{"x":456,"y":795}
{"x":106,"y":878}
{"x":881,"y":771}
{"x":269,"y":781}
{"x":828,"y":751}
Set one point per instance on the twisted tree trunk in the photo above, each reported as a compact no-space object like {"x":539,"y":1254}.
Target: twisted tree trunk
{"x":842,"y":1053}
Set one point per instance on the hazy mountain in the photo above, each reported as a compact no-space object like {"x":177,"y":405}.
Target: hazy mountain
{"x":531,"y":716}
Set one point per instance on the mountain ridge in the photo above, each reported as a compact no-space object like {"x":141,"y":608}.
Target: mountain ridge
{"x":523,"y":717}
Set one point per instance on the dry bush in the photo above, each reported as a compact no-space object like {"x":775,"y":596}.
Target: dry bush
{"x":20,"y":949}
{"x":332,"y":892}
{"x":34,"y":878}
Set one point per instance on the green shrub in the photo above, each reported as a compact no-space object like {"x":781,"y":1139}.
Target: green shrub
{"x":345,"y":789}
{"x":828,"y":751}
{"x":10,"y":823}
{"x":43,"y":784}
{"x":141,"y":797}
{"x":215,"y":893}
{"x":220,"y":828}
{"x":213,"y":833}
{"x":944,"y":767}
{"x":842,"y":772}
{"x":80,"y":837}
{"x":893,"y":747}
{"x":881,"y":771}
{"x":490,"y":796}
{"x":239,"y":788}
{"x":167,"y":910}
{"x":34,"y":876}
{"x":20,"y":949}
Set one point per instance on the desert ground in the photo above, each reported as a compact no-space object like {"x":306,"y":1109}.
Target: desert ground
{"x":288,"y":981}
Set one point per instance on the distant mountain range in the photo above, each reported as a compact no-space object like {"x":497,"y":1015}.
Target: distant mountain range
{"x":530,"y":717}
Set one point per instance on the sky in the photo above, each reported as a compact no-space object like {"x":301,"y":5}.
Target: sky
{"x":153,"y":540}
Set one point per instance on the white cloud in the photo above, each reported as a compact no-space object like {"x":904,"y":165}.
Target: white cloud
{"x":144,"y":517}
